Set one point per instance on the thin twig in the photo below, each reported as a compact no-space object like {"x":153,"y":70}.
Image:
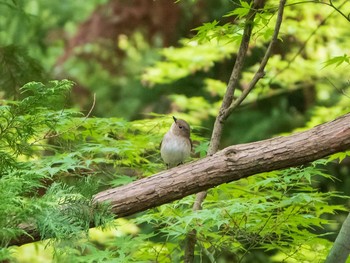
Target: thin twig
{"x":260,"y":73}
{"x":228,"y":105}
{"x":254,"y":242}
{"x":320,"y":24}
{"x":235,"y":75}
{"x":226,"y":102}
{"x":337,"y":9}
{"x":341,"y":91}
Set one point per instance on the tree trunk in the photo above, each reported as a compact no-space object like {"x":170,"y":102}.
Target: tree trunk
{"x":230,"y":164}
{"x":341,"y":247}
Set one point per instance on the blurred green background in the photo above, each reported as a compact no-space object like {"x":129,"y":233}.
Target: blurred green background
{"x":141,"y":58}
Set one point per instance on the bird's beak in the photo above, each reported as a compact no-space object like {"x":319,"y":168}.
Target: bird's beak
{"x":174,"y":119}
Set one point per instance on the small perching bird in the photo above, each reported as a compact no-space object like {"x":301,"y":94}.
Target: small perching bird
{"x":176,"y":145}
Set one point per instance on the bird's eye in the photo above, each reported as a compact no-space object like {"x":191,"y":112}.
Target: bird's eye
{"x":180,"y":127}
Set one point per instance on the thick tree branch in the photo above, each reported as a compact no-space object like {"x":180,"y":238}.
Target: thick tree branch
{"x":227,"y":165}
{"x":230,"y":164}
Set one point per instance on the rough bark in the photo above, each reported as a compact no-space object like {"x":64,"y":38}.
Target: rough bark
{"x":227,"y":165}
{"x":341,"y":248}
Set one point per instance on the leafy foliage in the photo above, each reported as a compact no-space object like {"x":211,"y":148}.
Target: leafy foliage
{"x":28,"y":189}
{"x":53,"y":159}
{"x":338,"y":60}
{"x":17,"y":68}
{"x":270,"y":211}
{"x":277,"y":211}
{"x":294,"y":93}
{"x":50,"y":186}
{"x":188,"y":59}
{"x":240,"y":12}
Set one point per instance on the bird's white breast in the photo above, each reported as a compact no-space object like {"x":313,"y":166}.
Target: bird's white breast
{"x":175,"y":149}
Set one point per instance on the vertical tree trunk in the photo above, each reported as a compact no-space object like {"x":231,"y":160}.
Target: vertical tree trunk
{"x":341,"y":248}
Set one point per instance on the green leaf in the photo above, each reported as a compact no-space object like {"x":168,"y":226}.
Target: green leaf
{"x":337,"y":61}
{"x":240,"y":12}
{"x":202,"y":149}
{"x":121,"y":180}
{"x":341,"y":156}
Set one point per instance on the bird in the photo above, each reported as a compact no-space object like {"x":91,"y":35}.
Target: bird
{"x":176,"y":145}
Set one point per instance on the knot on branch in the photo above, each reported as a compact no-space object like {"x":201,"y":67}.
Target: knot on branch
{"x":232,"y":155}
